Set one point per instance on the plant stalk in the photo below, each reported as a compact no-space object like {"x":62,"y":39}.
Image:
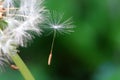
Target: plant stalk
{"x":22,"y":67}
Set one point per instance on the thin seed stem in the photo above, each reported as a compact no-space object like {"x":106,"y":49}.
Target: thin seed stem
{"x":22,"y":67}
{"x":53,"y":41}
{"x":17,"y":15}
{"x":51,"y":50}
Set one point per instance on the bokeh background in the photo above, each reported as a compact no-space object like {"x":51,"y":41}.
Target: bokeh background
{"x":92,"y":52}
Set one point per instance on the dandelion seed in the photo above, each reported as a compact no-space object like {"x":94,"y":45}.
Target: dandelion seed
{"x":58,"y":24}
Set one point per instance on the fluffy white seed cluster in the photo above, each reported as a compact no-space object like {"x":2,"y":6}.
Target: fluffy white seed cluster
{"x":22,"y":18}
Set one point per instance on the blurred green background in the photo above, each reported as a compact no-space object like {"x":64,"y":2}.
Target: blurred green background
{"x":92,"y":52}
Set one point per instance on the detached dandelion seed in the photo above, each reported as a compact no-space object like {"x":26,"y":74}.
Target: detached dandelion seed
{"x":58,"y":24}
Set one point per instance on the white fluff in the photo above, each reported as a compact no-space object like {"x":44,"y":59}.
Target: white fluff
{"x":56,"y":22}
{"x":22,"y":20}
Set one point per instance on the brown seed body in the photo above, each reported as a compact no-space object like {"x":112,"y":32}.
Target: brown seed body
{"x":14,"y":67}
{"x":50,"y":58}
{"x":2,"y":10}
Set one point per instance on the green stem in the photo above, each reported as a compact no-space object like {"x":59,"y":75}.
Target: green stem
{"x":22,"y":67}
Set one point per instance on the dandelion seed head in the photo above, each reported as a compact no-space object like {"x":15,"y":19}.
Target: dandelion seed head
{"x":22,"y":24}
{"x":23,"y":19}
